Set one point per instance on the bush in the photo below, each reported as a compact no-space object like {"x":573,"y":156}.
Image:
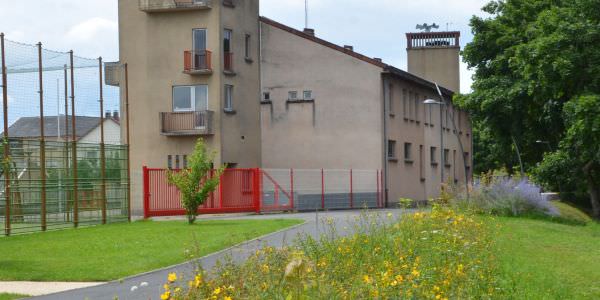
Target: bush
{"x":437,"y":255}
{"x":507,"y":197}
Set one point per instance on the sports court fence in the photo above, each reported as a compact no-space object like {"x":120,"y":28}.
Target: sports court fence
{"x":65,"y":160}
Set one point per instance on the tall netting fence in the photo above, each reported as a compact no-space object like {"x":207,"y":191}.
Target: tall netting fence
{"x":64,"y":153}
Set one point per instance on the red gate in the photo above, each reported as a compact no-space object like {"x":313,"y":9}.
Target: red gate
{"x":238,"y":191}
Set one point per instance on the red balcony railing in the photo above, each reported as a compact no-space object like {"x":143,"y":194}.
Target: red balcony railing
{"x":187,"y":123}
{"x":197,"y":62}
{"x":228,"y":62}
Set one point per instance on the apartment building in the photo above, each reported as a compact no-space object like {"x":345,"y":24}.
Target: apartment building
{"x":263,"y":94}
{"x":327,"y":106}
{"x":193,"y":71}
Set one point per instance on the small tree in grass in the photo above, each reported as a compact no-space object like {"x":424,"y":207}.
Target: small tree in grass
{"x":196,"y":182}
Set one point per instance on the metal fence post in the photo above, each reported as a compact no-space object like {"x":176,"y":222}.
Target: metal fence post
{"x":74,"y":145}
{"x":102,"y":146}
{"x":292,"y":188}
{"x":128,"y":143}
{"x":351,"y":190}
{"x":146,"y":193}
{"x":257,"y":189}
{"x":6,"y":144}
{"x":322,"y":189}
{"x":42,"y":141}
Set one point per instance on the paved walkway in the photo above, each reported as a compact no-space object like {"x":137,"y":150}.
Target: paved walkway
{"x":149,"y":285}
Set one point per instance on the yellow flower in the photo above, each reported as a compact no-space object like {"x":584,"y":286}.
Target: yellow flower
{"x":399,"y":278}
{"x":172,"y":277}
{"x":367,"y":279}
{"x":415,"y":273}
{"x":166,"y":287}
{"x":217,"y":291}
{"x":198,"y":280}
{"x":438,"y":297}
{"x":227,"y":298}
{"x":165,"y":296}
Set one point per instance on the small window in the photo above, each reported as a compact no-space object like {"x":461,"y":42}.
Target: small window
{"x":308,"y":95}
{"x":228,"y":3}
{"x":433,"y":155}
{"x":447,"y":157}
{"x":228,"y":106}
{"x":266,"y":96}
{"x":170,"y":162}
{"x":411,"y":105}
{"x":391,"y":99}
{"x":176,"y":161}
{"x":293,"y":95}
{"x":391,"y":149}
{"x":421,"y":163}
{"x":417,"y":107}
{"x":247,"y":41}
{"x":404,"y":104}
{"x":407,"y":151}
{"x":185,"y":162}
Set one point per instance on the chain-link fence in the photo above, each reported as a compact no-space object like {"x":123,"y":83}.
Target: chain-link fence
{"x":65,"y":155}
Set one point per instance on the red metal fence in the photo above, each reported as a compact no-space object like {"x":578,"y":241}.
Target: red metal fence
{"x":264,"y":190}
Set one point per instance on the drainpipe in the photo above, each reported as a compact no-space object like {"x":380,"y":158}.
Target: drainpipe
{"x":385,"y":138}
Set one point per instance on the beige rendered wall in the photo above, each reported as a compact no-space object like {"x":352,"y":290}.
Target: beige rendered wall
{"x":439,"y":65}
{"x":411,"y":121}
{"x":241,"y":130}
{"x":341,"y":129}
{"x":152,"y":45}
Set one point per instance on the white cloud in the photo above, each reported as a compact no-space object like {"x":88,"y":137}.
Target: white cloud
{"x":90,"y":29}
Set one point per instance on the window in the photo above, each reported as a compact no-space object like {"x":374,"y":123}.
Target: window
{"x":190,"y":98}
{"x":228,"y":105}
{"x":404,"y":104}
{"x":170,"y":162}
{"x":247,"y":46}
{"x":454,"y":164}
{"x":176,"y":161}
{"x":411,"y":104}
{"x":307,"y":95}
{"x":447,"y":157}
{"x":292,"y":95}
{"x":391,"y":149}
{"x":433,"y":155}
{"x":228,"y":3}
{"x":227,"y":47}
{"x":417,"y":112}
{"x":227,"y":35}
{"x":408,"y":152}
{"x":430,"y":108}
{"x":185,"y":162}
{"x":421,"y":163}
{"x":266,"y":96}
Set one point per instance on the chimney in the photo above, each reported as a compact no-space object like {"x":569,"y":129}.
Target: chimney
{"x":107,"y":114}
{"x":309,"y":31}
{"x":378,"y":59}
{"x":115,"y":115}
{"x":348,"y":47}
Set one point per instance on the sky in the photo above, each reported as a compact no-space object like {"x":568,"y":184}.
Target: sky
{"x":375,"y":28}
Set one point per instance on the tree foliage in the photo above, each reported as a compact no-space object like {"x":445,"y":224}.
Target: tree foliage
{"x":197,"y":182}
{"x":531,"y":58}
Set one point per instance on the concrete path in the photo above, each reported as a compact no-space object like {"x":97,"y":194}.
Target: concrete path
{"x":149,"y":285}
{"x":33,"y":288}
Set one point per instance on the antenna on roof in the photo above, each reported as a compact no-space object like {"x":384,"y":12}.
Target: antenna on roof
{"x":305,"y":13}
{"x":426,"y":27}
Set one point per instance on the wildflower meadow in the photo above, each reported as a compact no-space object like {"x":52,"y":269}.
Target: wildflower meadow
{"x":439,"y":254}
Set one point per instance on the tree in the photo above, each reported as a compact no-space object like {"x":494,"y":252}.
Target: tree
{"x":577,"y":162}
{"x":531,"y":57}
{"x":196,"y":182}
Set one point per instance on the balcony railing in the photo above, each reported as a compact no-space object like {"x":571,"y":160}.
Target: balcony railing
{"x":228,"y":62}
{"x":187,"y":123}
{"x":197,"y":62}
{"x":170,"y":5}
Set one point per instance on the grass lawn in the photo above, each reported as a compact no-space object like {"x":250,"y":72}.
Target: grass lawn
{"x":547,"y":260}
{"x":115,"y":251}
{"x":5,"y":296}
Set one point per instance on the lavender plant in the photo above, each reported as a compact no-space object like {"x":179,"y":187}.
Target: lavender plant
{"x":508,"y":197}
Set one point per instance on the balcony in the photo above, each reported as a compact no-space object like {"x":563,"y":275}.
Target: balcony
{"x":197,"y":62}
{"x":151,"y":6}
{"x":189,"y":123}
{"x":228,"y":63}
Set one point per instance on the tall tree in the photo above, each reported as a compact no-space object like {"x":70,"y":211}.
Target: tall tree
{"x":531,"y":57}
